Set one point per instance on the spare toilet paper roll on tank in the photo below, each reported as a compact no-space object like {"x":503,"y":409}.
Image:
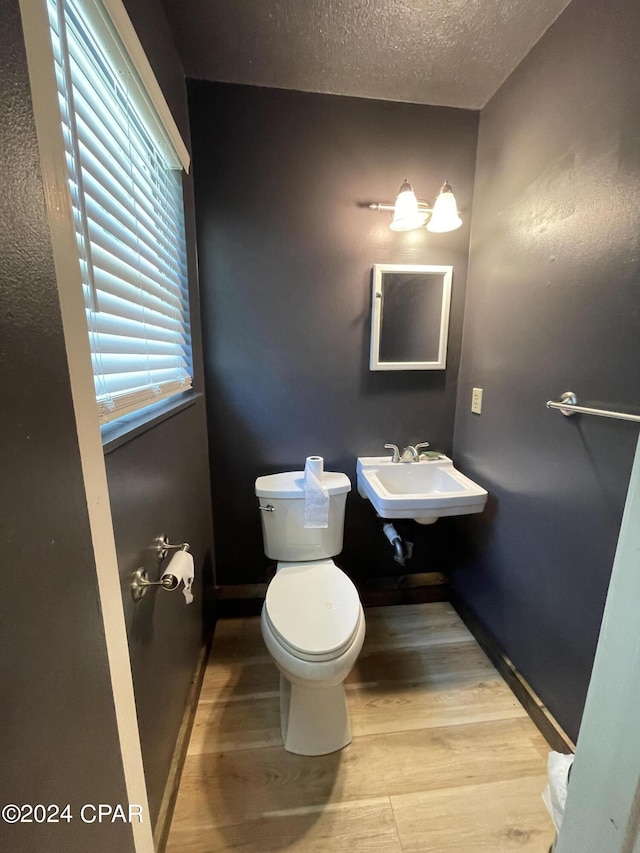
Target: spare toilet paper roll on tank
{"x":316,"y":497}
{"x":181,"y":567}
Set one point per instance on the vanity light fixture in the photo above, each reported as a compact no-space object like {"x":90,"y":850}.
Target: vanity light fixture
{"x":409,"y":213}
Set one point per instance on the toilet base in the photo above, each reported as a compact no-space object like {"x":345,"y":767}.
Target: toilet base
{"x":314,"y":720}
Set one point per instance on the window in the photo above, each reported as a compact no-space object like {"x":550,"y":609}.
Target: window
{"x":125,"y":176}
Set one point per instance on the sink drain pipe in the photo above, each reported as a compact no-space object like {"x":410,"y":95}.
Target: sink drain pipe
{"x":402,"y":549}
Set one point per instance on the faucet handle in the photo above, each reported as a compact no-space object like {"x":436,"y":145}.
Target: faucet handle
{"x":396,"y":452}
{"x":418,"y":446}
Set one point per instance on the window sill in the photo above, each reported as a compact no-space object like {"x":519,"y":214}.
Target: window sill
{"x":125,"y":429}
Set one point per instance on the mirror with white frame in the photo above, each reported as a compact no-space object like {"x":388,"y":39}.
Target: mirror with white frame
{"x":410,"y":316}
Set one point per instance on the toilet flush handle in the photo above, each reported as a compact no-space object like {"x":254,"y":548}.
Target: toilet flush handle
{"x":267,"y":508}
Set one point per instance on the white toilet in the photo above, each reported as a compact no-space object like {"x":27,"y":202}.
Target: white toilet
{"x":312,"y":620}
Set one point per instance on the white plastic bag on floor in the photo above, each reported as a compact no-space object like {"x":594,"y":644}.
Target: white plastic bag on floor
{"x":554,"y":795}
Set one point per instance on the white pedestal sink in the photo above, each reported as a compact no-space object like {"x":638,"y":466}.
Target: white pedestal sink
{"x":425,"y":490}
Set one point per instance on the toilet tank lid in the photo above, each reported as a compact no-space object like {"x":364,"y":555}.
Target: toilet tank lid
{"x":290,"y":484}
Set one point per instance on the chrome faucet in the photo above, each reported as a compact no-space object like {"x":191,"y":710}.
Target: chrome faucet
{"x":409,"y":454}
{"x":412,"y":452}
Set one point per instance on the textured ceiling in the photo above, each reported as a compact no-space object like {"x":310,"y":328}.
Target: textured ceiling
{"x":445,"y":52}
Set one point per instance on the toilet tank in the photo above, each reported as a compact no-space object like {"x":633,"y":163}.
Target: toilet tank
{"x":283,"y":531}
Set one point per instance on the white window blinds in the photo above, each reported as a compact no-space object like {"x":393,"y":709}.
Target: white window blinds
{"x":126,"y":189}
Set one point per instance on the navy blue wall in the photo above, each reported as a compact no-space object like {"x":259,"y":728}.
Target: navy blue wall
{"x":58,"y":733}
{"x":286,"y":246}
{"x":158,"y":483}
{"x":553,"y":304}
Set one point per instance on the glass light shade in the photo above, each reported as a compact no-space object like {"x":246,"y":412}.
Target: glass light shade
{"x":406,"y":214}
{"x":445,"y":212}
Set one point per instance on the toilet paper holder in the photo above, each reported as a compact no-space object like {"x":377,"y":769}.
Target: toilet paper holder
{"x":141,"y":583}
{"x":163,"y":546}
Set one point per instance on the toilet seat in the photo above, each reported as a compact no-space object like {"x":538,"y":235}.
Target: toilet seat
{"x":313,"y":609}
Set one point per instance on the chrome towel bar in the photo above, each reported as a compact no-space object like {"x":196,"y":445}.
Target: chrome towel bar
{"x":568,"y":406}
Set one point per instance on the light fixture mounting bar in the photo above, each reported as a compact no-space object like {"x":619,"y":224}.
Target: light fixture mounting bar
{"x":380,"y":205}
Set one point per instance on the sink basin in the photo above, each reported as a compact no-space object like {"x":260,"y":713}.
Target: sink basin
{"x":424,"y":490}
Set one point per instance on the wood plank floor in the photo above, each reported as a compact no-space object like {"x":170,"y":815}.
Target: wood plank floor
{"x":443,"y":759}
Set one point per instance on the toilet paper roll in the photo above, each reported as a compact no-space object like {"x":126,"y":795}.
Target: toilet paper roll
{"x":180,"y":566}
{"x":314,"y":465}
{"x":316,"y":497}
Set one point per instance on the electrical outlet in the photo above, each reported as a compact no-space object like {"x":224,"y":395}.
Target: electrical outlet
{"x":476,"y":401}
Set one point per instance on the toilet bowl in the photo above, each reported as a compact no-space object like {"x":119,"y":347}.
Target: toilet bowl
{"x":313,"y":626}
